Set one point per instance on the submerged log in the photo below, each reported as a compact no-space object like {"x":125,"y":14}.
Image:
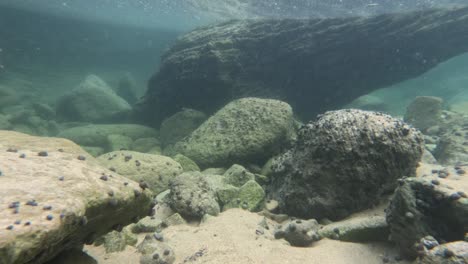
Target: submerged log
{"x":313,"y":64}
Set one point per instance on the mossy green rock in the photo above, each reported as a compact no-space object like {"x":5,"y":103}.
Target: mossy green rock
{"x":146,"y":225}
{"x":359,"y":229}
{"x":250,"y":197}
{"x":245,"y":130}
{"x":228,"y":196}
{"x":180,"y":125}
{"x":97,"y":135}
{"x":114,"y":242}
{"x":186,"y":163}
{"x":155,"y":170}
{"x":237,"y":175}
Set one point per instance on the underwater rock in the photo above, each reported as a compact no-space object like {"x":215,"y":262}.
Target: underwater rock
{"x":452,"y":143}
{"x":305,"y":62}
{"x":44,"y":111}
{"x":237,"y":175}
{"x":246,"y":130}
{"x":96,"y":135}
{"x":449,"y":253}
{"x":424,"y":112}
{"x":249,"y":196}
{"x":146,"y":225}
{"x":119,"y":142}
{"x":433,"y":205}
{"x":344,"y":162}
{"x":192,"y":195}
{"x":155,"y":252}
{"x":114,"y":242}
{"x":155,"y":171}
{"x":299,"y":233}
{"x":357,"y":229}
{"x":180,"y":125}
{"x":52,"y":201}
{"x":186,"y":163}
{"x":126,"y":88}
{"x":91,"y":101}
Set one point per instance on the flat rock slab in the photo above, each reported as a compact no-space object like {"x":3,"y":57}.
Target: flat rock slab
{"x":313,"y":64}
{"x":58,"y":199}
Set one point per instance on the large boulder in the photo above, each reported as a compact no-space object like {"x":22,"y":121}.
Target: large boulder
{"x":344,"y":162}
{"x":435,"y":205}
{"x":92,"y":100}
{"x":306,"y":62}
{"x":247,"y":130}
{"x":155,"y":171}
{"x":54,"y":196}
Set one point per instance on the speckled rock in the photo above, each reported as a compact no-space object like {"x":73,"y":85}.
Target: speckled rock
{"x":192,"y":195}
{"x":237,"y":175}
{"x":433,"y":205}
{"x":247,"y":130}
{"x":92,"y":100}
{"x":146,"y":225}
{"x":174,"y":219}
{"x":335,"y":167}
{"x":249,"y":196}
{"x":186,"y":163}
{"x":154,"y":170}
{"x":424,"y":112}
{"x":114,"y":242}
{"x":96,"y":135}
{"x":155,"y":252}
{"x":299,"y":233}
{"x":358,"y":229}
{"x":449,"y":253}
{"x":52,"y":200}
{"x":145,"y":144}
{"x":180,"y":125}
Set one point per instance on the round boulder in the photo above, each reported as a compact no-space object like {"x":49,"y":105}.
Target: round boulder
{"x":245,"y":130}
{"x":344,"y":162}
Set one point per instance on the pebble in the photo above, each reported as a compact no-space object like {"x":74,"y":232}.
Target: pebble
{"x":158,"y":237}
{"x":128,"y":157}
{"x":22,"y":156}
{"x":104,"y":177}
{"x":50,"y":217}
{"x":461,"y":172}
{"x":435,"y":182}
{"x":12,"y":150}
{"x":10,"y":227}
{"x":43,"y":154}
{"x":61,"y":178}
{"x":81,"y":157}
{"x":17,"y":222}
{"x":47,"y":207}
{"x":1,"y":173}
{"x":31,"y":203}
{"x":27,"y":223}
{"x":455,"y":196}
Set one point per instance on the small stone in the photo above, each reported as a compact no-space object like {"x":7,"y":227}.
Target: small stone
{"x":27,"y":223}
{"x":455,"y":196}
{"x":462,"y":194}
{"x":112,"y":169}
{"x":158,"y":237}
{"x":47,"y":207}
{"x":104,"y":177}
{"x":10,"y":227}
{"x":43,"y":154}
{"x":22,"y":156}
{"x":31,"y":203}
{"x":143,"y":185}
{"x":17,"y":222}
{"x":448,"y":253}
{"x":113,"y":202}
{"x":12,"y":150}
{"x":81,"y":157}
{"x":125,"y":183}
{"x":14,"y":205}
{"x":1,"y":173}
{"x":435,"y":182}
{"x":110,"y":193}
{"x":60,"y":150}
{"x":137,"y":163}
{"x":336,"y":230}
{"x":461,"y":172}
{"x":128,"y":157}
{"x":50,"y":217}
{"x":61,"y":178}
{"x":409,"y":216}
{"x":167,"y":252}
{"x":156,"y":256}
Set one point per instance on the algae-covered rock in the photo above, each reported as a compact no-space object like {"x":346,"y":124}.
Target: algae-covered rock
{"x":186,"y":163}
{"x":299,"y":233}
{"x":180,"y":125}
{"x":237,"y":175}
{"x":424,"y":112}
{"x":435,"y":205}
{"x":155,"y":252}
{"x":449,"y":253}
{"x":97,"y":135}
{"x":244,"y":131}
{"x":154,"y":170}
{"x":92,"y":100}
{"x":192,"y":195}
{"x":145,"y":144}
{"x":114,"y":242}
{"x":344,"y":162}
{"x":56,"y":197}
{"x":251,"y":195}
{"x":174,"y":219}
{"x":146,"y":225}
{"x":359,"y":229}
